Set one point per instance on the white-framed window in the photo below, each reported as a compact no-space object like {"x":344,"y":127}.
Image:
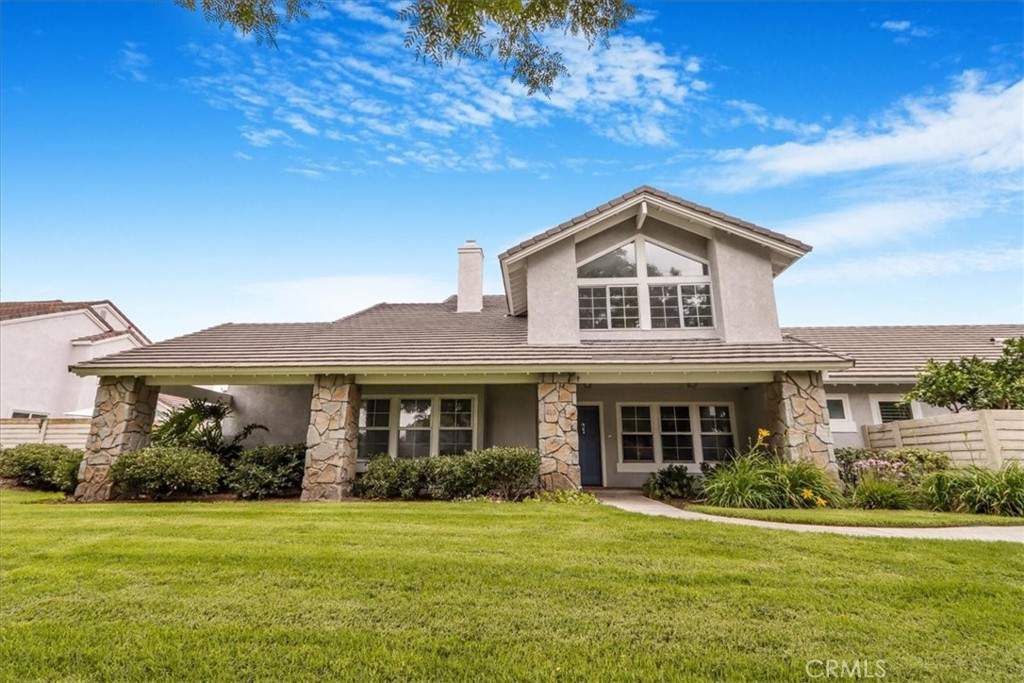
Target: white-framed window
{"x":890,"y":407}
{"x":654,"y":435}
{"x":643,"y":284}
{"x":416,"y":426}
{"x":27,"y":414}
{"x":840,"y":419}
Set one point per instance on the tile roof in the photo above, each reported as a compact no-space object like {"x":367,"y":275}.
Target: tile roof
{"x":896,"y":352}
{"x":647,"y":189}
{"x":435,"y":335}
{"x":13,"y":310}
{"x":10,"y":310}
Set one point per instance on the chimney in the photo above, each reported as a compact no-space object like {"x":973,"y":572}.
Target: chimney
{"x":471,"y":278}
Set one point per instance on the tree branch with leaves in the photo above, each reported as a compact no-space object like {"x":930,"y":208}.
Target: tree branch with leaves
{"x":447,"y":31}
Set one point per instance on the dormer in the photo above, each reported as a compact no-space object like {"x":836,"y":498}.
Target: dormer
{"x":649,"y":266}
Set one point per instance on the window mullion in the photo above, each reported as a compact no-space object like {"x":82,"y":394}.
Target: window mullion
{"x":435,"y":425}
{"x":393,"y":410}
{"x":695,"y":430}
{"x":656,"y":431}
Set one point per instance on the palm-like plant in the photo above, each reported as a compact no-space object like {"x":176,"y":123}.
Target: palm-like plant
{"x":200,"y":425}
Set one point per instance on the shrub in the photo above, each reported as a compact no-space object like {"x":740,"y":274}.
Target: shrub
{"x":674,"y":481}
{"x":977,"y":490}
{"x":163,"y":471}
{"x":267,"y":471}
{"x":915,"y":463}
{"x":874,"y":493}
{"x":48,"y":467}
{"x":804,"y":484}
{"x":507,"y":472}
{"x":563,"y":497}
{"x":747,"y":481}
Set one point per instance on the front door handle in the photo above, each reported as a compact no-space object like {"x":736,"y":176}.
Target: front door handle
{"x":583,"y":429}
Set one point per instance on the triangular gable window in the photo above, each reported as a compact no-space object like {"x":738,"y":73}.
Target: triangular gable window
{"x":618,"y":263}
{"x":662,"y":262}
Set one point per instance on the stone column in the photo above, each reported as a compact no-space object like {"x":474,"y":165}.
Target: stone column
{"x":559,"y":440}
{"x":332,"y":440}
{"x":798,"y":418}
{"x":122,"y":421}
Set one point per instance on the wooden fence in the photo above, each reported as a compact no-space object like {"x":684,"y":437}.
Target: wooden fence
{"x":986,"y":437}
{"x":68,"y":431}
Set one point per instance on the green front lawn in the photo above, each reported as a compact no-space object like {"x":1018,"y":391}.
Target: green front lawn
{"x":482,"y":591}
{"x":844,"y":517}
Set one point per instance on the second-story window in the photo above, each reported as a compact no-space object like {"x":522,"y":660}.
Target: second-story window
{"x":644,"y":285}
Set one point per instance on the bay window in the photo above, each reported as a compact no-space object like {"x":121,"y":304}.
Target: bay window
{"x":644,"y":285}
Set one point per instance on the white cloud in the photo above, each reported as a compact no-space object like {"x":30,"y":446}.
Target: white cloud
{"x":363,"y":88}
{"x":243,"y":156}
{"x":873,"y":223}
{"x":264,"y":137}
{"x":299,"y":123}
{"x":896,"y":26}
{"x":918,"y":264}
{"x":974,"y":128}
{"x":757,"y":115}
{"x":132,"y":63}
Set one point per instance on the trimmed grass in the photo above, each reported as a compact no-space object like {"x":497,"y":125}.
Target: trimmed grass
{"x":878,"y":518}
{"x":482,"y":591}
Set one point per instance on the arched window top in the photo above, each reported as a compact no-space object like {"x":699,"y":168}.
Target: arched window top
{"x":642,"y":256}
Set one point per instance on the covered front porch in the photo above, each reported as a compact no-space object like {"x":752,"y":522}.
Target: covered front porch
{"x":591,"y":428}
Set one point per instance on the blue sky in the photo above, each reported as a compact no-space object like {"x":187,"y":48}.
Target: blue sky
{"x":194,"y":177}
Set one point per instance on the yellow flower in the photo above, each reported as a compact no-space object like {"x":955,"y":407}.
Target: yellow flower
{"x":821,"y":502}
{"x":807,"y":494}
{"x":763,"y":433}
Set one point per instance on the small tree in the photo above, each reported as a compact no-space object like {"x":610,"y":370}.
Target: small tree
{"x":973,"y":383}
{"x":199,"y":425}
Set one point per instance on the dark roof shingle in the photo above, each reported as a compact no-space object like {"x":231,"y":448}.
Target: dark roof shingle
{"x":435,"y":335}
{"x":898,"y":351}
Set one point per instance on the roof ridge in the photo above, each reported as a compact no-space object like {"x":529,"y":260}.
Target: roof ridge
{"x":820,"y":347}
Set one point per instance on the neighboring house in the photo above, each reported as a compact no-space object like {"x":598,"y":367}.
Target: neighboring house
{"x":40,"y":339}
{"x":640,"y":334}
{"x":887,"y":361}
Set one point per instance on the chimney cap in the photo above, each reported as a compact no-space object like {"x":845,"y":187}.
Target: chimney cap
{"x":470,"y":245}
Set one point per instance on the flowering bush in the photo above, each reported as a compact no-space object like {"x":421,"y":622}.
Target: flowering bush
{"x":916,"y":463}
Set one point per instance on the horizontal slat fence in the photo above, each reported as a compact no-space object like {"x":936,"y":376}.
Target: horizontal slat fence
{"x":985,"y":438}
{"x":67,"y":431}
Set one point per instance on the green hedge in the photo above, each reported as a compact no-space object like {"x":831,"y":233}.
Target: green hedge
{"x":266,"y":471}
{"x":507,"y":473}
{"x":672,"y":483}
{"x":164,"y":471}
{"x":48,"y":467}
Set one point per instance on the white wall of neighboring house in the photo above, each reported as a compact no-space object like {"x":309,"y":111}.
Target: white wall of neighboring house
{"x":35,"y":353}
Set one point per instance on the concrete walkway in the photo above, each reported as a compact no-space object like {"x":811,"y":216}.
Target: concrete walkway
{"x":632,"y":501}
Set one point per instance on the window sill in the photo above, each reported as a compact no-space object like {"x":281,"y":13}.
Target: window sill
{"x":647,"y":467}
{"x":638,"y":334}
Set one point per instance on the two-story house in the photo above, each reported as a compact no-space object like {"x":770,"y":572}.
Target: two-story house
{"x":640,"y":334}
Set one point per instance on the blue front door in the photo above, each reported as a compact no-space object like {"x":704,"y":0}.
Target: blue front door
{"x":590,"y":445}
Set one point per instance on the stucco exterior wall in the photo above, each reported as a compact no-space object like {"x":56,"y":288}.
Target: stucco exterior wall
{"x":743,"y":290}
{"x":283,"y":408}
{"x":35,"y":354}
{"x":551,"y":296}
{"x":510,"y":415}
